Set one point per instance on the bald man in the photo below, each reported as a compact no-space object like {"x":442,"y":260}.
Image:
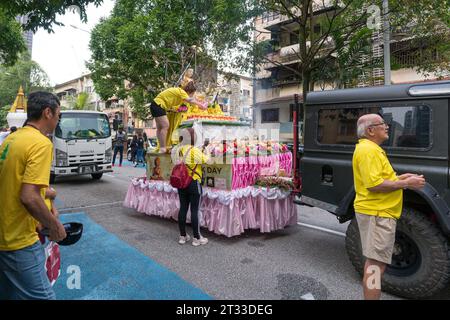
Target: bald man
{"x":379,"y":199}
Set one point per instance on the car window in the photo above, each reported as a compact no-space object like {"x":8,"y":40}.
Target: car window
{"x":409,"y":126}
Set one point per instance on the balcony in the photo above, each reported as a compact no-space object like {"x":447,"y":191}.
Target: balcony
{"x":273,"y":21}
{"x":286,"y":82}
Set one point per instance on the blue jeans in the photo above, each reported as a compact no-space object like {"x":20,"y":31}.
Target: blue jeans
{"x":140,"y":156}
{"x":23,"y":275}
{"x":118,"y":149}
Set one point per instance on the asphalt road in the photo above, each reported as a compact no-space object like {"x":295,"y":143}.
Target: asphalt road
{"x":299,"y":262}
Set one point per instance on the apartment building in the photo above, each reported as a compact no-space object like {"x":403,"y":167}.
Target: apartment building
{"x":68,"y":93}
{"x":235,"y":94}
{"x":276,"y":83}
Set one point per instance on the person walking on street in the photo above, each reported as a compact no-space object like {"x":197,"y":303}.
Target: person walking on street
{"x":379,"y":199}
{"x":25,"y":161}
{"x":119,"y":142}
{"x":140,"y":150}
{"x":133,"y":148}
{"x":193,"y":158}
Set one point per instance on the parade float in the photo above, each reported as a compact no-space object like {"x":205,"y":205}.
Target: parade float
{"x":247,"y":185}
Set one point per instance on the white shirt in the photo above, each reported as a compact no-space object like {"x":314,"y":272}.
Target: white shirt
{"x":3,"y":136}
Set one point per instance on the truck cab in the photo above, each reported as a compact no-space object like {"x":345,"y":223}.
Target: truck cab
{"x":418,"y":118}
{"x":82,"y":145}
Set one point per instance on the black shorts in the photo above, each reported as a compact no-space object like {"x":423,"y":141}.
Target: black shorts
{"x":156,"y":110}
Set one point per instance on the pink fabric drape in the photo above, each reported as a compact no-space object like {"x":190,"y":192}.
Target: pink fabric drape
{"x":229,"y":214}
{"x":245,"y":170}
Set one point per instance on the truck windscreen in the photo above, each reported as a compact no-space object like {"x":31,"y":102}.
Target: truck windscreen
{"x":83,"y":126}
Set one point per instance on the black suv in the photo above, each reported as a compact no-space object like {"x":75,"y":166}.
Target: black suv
{"x":418,"y":117}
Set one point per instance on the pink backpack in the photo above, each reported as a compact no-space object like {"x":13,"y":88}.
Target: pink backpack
{"x":180,"y":177}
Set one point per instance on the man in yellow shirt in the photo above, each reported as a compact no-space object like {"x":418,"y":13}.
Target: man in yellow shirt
{"x":25,"y":160}
{"x":167,"y":100}
{"x":378,"y":201}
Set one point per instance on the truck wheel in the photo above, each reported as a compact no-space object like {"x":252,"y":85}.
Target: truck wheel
{"x":420,"y":263}
{"x":52,"y":178}
{"x":97,"y":176}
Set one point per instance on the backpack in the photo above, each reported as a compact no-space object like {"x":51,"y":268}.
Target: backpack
{"x":180,"y":177}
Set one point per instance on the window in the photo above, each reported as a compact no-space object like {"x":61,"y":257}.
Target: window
{"x":270,"y":115}
{"x":83,"y":126}
{"x":409,"y":126}
{"x":246,"y":93}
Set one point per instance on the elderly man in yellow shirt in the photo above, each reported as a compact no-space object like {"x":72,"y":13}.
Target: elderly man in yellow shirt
{"x":379,"y":198}
{"x":167,"y":100}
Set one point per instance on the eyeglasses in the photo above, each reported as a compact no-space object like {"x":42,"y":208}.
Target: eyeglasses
{"x":378,"y":124}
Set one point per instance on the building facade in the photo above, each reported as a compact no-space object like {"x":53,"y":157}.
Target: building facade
{"x":276,"y":83}
{"x":235,"y":94}
{"x":27,"y":35}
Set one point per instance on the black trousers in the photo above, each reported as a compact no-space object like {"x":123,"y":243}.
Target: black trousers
{"x":190,"y":197}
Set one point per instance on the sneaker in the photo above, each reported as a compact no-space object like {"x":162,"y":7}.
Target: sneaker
{"x":113,"y":164}
{"x":184,"y":239}
{"x":196,"y":242}
{"x":120,"y":165}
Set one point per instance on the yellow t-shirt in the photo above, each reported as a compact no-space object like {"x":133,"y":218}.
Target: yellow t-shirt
{"x":170,"y":98}
{"x":195,"y":157}
{"x":25,"y":157}
{"x":370,"y":168}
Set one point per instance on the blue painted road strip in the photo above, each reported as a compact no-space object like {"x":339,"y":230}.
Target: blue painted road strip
{"x":111,"y":269}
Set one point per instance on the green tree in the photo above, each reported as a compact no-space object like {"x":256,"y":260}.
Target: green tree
{"x":82,"y":102}
{"x":334,"y":40}
{"x":3,"y":113}
{"x":11,"y":40}
{"x":41,"y":14}
{"x":145,"y":45}
{"x":25,"y":73}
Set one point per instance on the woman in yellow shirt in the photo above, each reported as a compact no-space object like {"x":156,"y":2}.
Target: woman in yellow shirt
{"x":190,"y":197}
{"x":167,"y":100}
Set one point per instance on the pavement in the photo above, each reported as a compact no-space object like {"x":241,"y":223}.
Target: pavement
{"x":304,"y":261}
{"x":110,"y":269}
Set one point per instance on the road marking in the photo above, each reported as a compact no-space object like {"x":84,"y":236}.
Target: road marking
{"x":337,"y":233}
{"x":109,"y":175}
{"x":106,"y":204}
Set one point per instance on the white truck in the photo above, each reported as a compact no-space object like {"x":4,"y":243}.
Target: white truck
{"x":82,"y":145}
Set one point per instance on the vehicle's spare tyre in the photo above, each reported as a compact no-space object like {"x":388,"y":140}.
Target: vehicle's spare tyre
{"x":421,"y":261}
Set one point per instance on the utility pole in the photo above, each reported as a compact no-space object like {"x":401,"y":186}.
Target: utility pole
{"x":387,"y":44}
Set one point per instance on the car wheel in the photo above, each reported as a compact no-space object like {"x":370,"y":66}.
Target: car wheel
{"x":420,"y":264}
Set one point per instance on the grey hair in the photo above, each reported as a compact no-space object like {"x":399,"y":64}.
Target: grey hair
{"x":362,"y":127}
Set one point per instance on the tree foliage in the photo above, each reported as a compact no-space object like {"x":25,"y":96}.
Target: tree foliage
{"x":11,"y":40}
{"x":25,"y":73}
{"x":425,"y":25}
{"x":145,"y":45}
{"x":40,"y":14}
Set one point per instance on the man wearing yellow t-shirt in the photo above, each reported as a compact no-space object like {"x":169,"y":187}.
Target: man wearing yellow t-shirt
{"x":25,"y":160}
{"x":167,"y":100}
{"x":378,"y":201}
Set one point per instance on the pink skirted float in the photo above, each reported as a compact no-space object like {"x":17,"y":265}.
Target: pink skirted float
{"x":248,"y":186}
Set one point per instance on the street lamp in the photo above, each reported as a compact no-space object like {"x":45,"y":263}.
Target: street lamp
{"x":75,"y":27}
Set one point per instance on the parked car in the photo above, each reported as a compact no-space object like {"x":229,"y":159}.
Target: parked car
{"x":418,"y":116}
